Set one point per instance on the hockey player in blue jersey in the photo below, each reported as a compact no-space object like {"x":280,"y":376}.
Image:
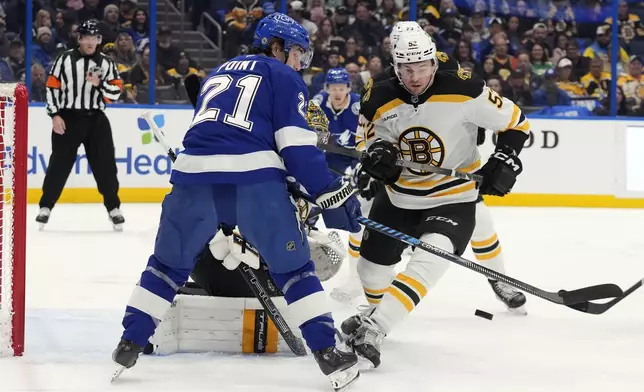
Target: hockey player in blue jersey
{"x":342,"y":107}
{"x":248,"y":132}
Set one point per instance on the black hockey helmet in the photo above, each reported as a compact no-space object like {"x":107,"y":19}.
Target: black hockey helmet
{"x":89,"y":27}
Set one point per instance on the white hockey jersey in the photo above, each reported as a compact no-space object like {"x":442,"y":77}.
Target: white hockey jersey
{"x":439,"y":128}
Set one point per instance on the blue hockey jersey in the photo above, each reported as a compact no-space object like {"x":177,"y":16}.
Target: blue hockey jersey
{"x":250,"y":126}
{"x":343,"y":125}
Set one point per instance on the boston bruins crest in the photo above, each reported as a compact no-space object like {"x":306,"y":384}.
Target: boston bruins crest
{"x":419,"y":144}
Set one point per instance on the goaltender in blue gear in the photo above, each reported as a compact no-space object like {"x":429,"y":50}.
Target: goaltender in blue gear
{"x":248,"y":133}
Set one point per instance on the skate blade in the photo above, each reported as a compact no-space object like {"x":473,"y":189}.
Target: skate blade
{"x":118,"y":227}
{"x":41,"y":226}
{"x":117,"y":373}
{"x":342,"y":379}
{"x":364,"y":364}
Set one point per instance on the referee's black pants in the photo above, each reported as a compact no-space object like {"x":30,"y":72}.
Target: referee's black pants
{"x":92,"y":130}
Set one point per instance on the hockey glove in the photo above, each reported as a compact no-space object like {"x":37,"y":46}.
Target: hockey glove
{"x":340,"y":207}
{"x":500,"y":172}
{"x":380,"y":162}
{"x":233,"y":250}
{"x":317,"y":121}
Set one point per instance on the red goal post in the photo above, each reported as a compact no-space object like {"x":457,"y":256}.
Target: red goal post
{"x":14,"y":114}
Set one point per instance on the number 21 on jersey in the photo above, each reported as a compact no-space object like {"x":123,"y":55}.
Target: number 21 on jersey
{"x":247,"y":87}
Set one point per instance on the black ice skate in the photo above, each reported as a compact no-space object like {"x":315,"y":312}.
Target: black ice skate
{"x":117,"y":219}
{"x":43,"y":217}
{"x":125,"y":355}
{"x":341,"y":367}
{"x":513,"y":299}
{"x":364,"y":337}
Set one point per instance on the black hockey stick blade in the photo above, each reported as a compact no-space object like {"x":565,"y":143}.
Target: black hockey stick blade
{"x":294,"y":343}
{"x":593,"y":308}
{"x":601,"y":291}
{"x":192,"y":84}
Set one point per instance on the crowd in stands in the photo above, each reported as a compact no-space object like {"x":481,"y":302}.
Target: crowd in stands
{"x":536,"y":52}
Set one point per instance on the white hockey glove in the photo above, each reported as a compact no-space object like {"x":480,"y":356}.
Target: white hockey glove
{"x":233,"y":250}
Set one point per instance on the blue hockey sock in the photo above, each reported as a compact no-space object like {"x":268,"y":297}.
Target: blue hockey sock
{"x":150,"y":300}
{"x":308,"y":306}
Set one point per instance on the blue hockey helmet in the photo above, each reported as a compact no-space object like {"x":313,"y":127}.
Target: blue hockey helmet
{"x":337,"y":76}
{"x":281,"y":26}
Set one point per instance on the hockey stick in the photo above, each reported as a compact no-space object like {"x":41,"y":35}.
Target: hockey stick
{"x":576,"y":299}
{"x":593,"y":308}
{"x":256,"y":286}
{"x":335,"y":149}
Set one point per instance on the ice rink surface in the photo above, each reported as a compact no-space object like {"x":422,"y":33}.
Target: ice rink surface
{"x":80,"y":274}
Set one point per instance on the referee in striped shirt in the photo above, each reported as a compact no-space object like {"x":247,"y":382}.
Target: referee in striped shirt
{"x":79,"y":84}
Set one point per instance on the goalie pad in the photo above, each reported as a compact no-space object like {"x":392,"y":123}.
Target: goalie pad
{"x":197,"y":324}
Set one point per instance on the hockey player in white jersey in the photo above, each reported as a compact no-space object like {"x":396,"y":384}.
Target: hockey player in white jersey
{"x":427,"y":117}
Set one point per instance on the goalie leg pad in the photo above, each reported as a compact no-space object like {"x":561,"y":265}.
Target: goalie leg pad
{"x":188,"y":221}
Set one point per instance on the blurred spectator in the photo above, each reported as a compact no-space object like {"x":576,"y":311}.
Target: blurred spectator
{"x":480,"y":32}
{"x":633,"y":82}
{"x":109,"y":50}
{"x":562,"y":17}
{"x":353,"y":53}
{"x":387,"y":13}
{"x":463,"y":52}
{"x":539,"y":36}
{"x":601,"y":48}
{"x":385,"y":52}
{"x":629,"y":25}
{"x":488,"y":68}
{"x":110,"y":26}
{"x":91,"y":10}
{"x":240,"y":17}
{"x":515,"y":35}
{"x":125,"y":56}
{"x":591,"y":16}
{"x":324,"y":40}
{"x":561,"y":44}
{"x":367,"y":27}
{"x":127,"y":10}
{"x":296,"y":11}
{"x":42,"y":51}
{"x":167,"y":54}
{"x":356,"y":81}
{"x":43,"y":19}
{"x":518,"y":90}
{"x":451,"y":31}
{"x":549,"y":94}
{"x":487,"y":46}
{"x":603,"y":109}
{"x":504,"y":64}
{"x":6,"y":74}
{"x":539,"y":60}
{"x":596,"y":81}
{"x":16,"y":13}
{"x":16,"y":59}
{"x":140,"y":26}
{"x":317,"y":82}
{"x":580,"y":63}
{"x":38,"y":90}
{"x":495,"y":84}
{"x":140,"y":75}
{"x":183,"y":69}
{"x":75,"y":5}
{"x":4,"y":41}
{"x":565,"y":82}
{"x":341,"y":19}
{"x":374,"y":67}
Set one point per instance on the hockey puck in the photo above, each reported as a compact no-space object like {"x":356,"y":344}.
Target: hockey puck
{"x":483,"y":314}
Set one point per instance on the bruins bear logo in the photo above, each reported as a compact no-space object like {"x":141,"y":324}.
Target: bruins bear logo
{"x":419,"y":144}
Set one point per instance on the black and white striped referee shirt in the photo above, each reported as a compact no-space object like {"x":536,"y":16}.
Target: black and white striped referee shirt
{"x":68,"y":89}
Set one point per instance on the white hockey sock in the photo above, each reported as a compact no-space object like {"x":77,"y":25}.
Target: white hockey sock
{"x":485,"y":242}
{"x":375,"y":279}
{"x":404,"y":293}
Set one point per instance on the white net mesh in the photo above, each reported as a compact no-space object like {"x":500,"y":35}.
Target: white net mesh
{"x":7,"y":133}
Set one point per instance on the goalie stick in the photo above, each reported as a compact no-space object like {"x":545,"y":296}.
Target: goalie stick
{"x":256,"y":285}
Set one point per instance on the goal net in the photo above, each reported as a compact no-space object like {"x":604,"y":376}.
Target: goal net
{"x":13,"y":203}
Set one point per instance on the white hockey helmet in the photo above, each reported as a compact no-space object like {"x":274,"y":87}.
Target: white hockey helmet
{"x":415,"y":47}
{"x":403,"y":27}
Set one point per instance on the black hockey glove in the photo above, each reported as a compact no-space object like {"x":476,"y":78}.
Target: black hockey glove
{"x":368,"y":186}
{"x":480,"y":136}
{"x":500,"y":172}
{"x":380,"y":162}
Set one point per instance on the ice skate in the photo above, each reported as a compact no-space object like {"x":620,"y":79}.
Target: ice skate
{"x":117,"y":219}
{"x":43,"y":217}
{"x":341,"y":367}
{"x":364,"y":337}
{"x":513,"y":299}
{"x":125,"y":355}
